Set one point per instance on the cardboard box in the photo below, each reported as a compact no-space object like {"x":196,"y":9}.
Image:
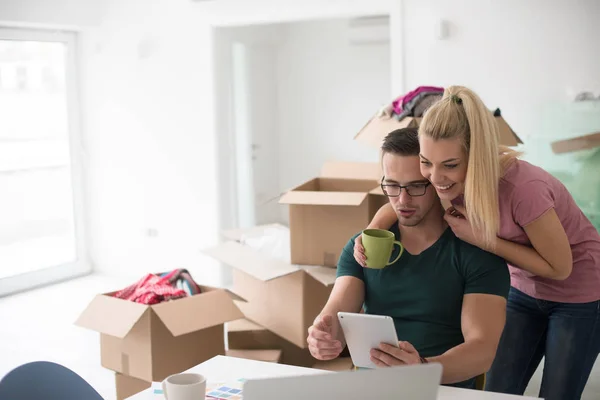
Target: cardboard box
{"x":584,"y":142}
{"x":378,"y":127}
{"x":128,"y":386}
{"x":247,"y":335}
{"x":153,"y":342}
{"x":327,"y":211}
{"x":280,"y":296}
{"x":267,"y":355}
{"x":337,"y":364}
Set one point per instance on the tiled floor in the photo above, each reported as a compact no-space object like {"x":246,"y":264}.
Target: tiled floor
{"x":38,"y":325}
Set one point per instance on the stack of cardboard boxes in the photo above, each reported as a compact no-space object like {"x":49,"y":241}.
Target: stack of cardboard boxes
{"x":284,"y":291}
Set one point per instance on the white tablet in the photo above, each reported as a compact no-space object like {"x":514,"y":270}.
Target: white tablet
{"x":364,"y":332}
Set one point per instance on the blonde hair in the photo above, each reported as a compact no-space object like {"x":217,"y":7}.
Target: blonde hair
{"x":461,"y":114}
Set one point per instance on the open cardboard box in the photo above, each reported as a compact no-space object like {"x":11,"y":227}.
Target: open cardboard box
{"x":325,"y":212}
{"x":127,"y":386}
{"x":151,"y":342}
{"x":280,"y":296}
{"x":337,"y":364}
{"x":266,"y":355}
{"x":244,"y":334}
{"x":379,"y":126}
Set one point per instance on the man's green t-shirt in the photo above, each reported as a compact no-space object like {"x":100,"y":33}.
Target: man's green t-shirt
{"x":424,"y":293}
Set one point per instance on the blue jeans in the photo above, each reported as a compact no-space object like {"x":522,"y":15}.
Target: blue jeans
{"x":568,"y":335}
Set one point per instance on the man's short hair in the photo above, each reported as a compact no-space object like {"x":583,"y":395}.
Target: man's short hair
{"x":402,"y":142}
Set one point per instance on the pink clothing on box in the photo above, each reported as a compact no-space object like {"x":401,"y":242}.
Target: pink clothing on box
{"x":399,"y":103}
{"x":525,"y":193}
{"x":151,"y":289}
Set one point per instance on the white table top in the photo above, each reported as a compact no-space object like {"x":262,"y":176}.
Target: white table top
{"x":222,"y":369}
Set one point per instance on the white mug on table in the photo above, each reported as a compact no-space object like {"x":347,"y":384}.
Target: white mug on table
{"x":184,"y":387}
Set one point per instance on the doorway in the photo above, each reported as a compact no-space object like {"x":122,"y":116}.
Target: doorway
{"x":289,"y":97}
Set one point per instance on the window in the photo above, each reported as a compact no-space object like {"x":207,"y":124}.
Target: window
{"x":41,"y":207}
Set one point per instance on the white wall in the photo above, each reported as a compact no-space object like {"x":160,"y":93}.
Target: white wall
{"x":328,"y":89}
{"x":529,"y":58}
{"x":244,"y":12}
{"x":147,"y":77}
{"x":43,"y":13}
{"x":149,"y":135}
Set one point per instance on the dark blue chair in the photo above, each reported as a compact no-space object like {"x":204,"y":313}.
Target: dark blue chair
{"x":43,"y":380}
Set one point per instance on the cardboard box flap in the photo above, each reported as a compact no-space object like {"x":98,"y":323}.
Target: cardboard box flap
{"x":377,"y":128}
{"x":325,"y":275}
{"x":250,"y":261}
{"x":506,"y":136}
{"x":351,"y":170}
{"x":323,"y":198}
{"x":577,"y":143}
{"x":111,"y":316}
{"x":377,"y":191}
{"x":194,"y":313}
{"x":233,"y":296}
{"x":243,"y":325}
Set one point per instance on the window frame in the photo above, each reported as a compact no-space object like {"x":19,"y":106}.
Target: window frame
{"x":82,"y":264}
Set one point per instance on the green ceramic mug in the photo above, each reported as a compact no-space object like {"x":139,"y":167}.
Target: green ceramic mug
{"x":378,"y":244}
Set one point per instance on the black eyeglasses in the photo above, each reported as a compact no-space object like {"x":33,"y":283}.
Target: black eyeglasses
{"x":413,"y":190}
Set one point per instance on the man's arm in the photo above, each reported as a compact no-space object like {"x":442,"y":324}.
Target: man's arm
{"x":325,"y":338}
{"x":348,"y":295}
{"x":483,"y":317}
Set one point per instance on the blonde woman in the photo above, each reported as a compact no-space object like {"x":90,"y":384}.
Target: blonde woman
{"x":522,"y":213}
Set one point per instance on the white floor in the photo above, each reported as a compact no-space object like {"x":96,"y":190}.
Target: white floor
{"x":38,"y":325}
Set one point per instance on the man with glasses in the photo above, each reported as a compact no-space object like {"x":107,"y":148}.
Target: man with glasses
{"x":447,"y":297}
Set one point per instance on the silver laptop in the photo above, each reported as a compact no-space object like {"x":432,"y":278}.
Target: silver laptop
{"x":416,"y":382}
